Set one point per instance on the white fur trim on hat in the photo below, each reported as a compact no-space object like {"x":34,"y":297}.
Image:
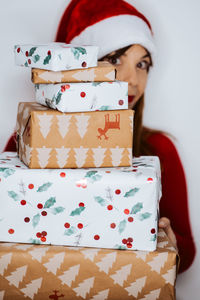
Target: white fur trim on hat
{"x":115,"y":33}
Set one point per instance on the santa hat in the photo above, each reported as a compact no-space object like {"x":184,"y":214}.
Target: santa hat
{"x":109,"y":24}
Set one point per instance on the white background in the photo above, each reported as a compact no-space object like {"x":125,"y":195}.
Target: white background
{"x":172,"y":97}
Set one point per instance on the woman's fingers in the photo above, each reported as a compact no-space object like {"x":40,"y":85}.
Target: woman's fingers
{"x":164,"y":223}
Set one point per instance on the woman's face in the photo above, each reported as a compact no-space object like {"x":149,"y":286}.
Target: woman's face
{"x":133,"y":67}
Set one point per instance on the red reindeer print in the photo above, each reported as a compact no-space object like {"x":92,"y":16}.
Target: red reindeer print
{"x":109,"y":125}
{"x":55,"y":296}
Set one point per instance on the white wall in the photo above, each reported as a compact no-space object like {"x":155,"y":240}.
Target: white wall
{"x":172,"y":98}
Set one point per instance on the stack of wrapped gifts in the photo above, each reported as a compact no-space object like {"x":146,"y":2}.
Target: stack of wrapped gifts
{"x":74,"y":185}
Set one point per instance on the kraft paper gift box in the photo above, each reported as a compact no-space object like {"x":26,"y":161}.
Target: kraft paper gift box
{"x":56,"y":56}
{"x":51,"y":139}
{"x":41,"y":272}
{"x":88,"y":96}
{"x":103,"y":72}
{"x":102,"y":207}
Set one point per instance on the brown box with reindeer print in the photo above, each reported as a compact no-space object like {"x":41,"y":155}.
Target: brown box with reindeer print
{"x":51,"y":139}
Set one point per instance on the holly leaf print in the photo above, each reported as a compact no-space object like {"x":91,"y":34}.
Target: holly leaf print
{"x":96,"y":83}
{"x":120,"y":247}
{"x":104,"y":107}
{"x":13,"y":195}
{"x":34,"y":241}
{"x":36,"y":220}
{"x":36,"y":58}
{"x":122,"y":226}
{"x":131,"y":193}
{"x":153,"y":238}
{"x":32,"y":50}
{"x":50,"y":202}
{"x":70,"y":231}
{"x":144,"y":216}
{"x":58,"y":97}
{"x":47,"y":59}
{"x":100,"y":200}
{"x":7,"y":172}
{"x":77,"y":211}
{"x":136,"y":208}
{"x":26,"y":64}
{"x":44,"y":187}
{"x":81,"y":50}
{"x":90,"y":173}
{"x":57,"y":210}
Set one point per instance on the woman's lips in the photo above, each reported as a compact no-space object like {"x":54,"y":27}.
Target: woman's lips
{"x":130,"y":99}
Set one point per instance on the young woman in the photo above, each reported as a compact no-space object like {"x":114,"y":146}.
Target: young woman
{"x":126,"y":40}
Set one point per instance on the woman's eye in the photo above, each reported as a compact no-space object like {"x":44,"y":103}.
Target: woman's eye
{"x":114,"y":60}
{"x":144,"y":65}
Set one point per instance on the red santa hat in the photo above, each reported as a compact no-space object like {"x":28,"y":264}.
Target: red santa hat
{"x":109,"y":24}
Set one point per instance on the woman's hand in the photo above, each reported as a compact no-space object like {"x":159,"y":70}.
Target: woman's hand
{"x":164,"y":223}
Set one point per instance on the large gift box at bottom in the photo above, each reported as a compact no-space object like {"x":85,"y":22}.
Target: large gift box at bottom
{"x":51,"y":139}
{"x":40,"y":272}
{"x":101,"y":207}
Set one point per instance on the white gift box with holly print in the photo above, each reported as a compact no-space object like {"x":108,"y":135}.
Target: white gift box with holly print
{"x":102,"y":207}
{"x":88,"y":96}
{"x":56,"y":56}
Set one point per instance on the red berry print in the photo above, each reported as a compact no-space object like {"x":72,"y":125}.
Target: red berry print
{"x":11,"y":231}
{"x":126,"y":211}
{"x":44,"y":213}
{"x":80,"y":225}
{"x":18,"y":50}
{"x":26,"y":53}
{"x":44,"y":233}
{"x":108,"y":172}
{"x":49,"y":52}
{"x":121,"y":102}
{"x":117,"y":192}
{"x":40,"y":205}
{"x":67,"y":86}
{"x":112,"y":225}
{"x":150,"y":179}
{"x":96,"y":237}
{"x":153,"y":230}
{"x":38,"y":234}
{"x":129,"y":245}
{"x":29,"y":61}
{"x":30,"y":186}
{"x":23,"y":202}
{"x":67,"y":225}
{"x":62,"y":174}
{"x":83,"y":94}
{"x":130,"y":240}
{"x":124,"y":241}
{"x":62,"y":88}
{"x":130,"y":219}
{"x":134,"y":170}
{"x":43,"y":239}
{"x":18,"y":166}
{"x":109,"y":207}
{"x":84,"y":64}
{"x":27,"y":220}
{"x":81,"y":204}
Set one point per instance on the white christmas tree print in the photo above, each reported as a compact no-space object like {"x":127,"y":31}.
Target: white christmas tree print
{"x":107,"y":261}
{"x":84,"y":287}
{"x":62,"y":156}
{"x":116,"y":155}
{"x":158,"y":262}
{"x":20,"y":108}
{"x":136,"y":287}
{"x":17,"y":276}
{"x":55,"y":262}
{"x":82,"y":122}
{"x":80,"y":155}
{"x":122,"y":274}
{"x":103,"y":295}
{"x":162,"y":244}
{"x":170,"y":275}
{"x":111,"y":75}
{"x":51,"y":76}
{"x":2,"y":295}
{"x":142,"y":254}
{"x":43,"y":156}
{"x":63,"y":124}
{"x":4,"y":262}
{"x":90,"y":253}
{"x":130,"y":154}
{"x":153,"y":295}
{"x":86,"y":75}
{"x":32,"y":288}
{"x":23,"y":247}
{"x":38,"y":253}
{"x":98,"y":156}
{"x":28,"y":151}
{"x":26,"y":113}
{"x":131,"y":122}
{"x":45,"y":123}
{"x":69,"y":275}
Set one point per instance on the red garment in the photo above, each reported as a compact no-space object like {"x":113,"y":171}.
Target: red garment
{"x":174,"y":202}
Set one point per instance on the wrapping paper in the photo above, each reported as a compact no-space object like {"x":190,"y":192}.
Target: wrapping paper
{"x":102,"y":207}
{"x":89,"y":96}
{"x":103,"y":72}
{"x":56,"y":56}
{"x":50,"y":139}
{"x":54,"y":272}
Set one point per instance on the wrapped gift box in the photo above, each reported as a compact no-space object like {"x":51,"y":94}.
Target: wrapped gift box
{"x":102,"y":207}
{"x":51,"y":139}
{"x":52,"y":272}
{"x":103,"y":72}
{"x":56,"y":56}
{"x":89,"y":96}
